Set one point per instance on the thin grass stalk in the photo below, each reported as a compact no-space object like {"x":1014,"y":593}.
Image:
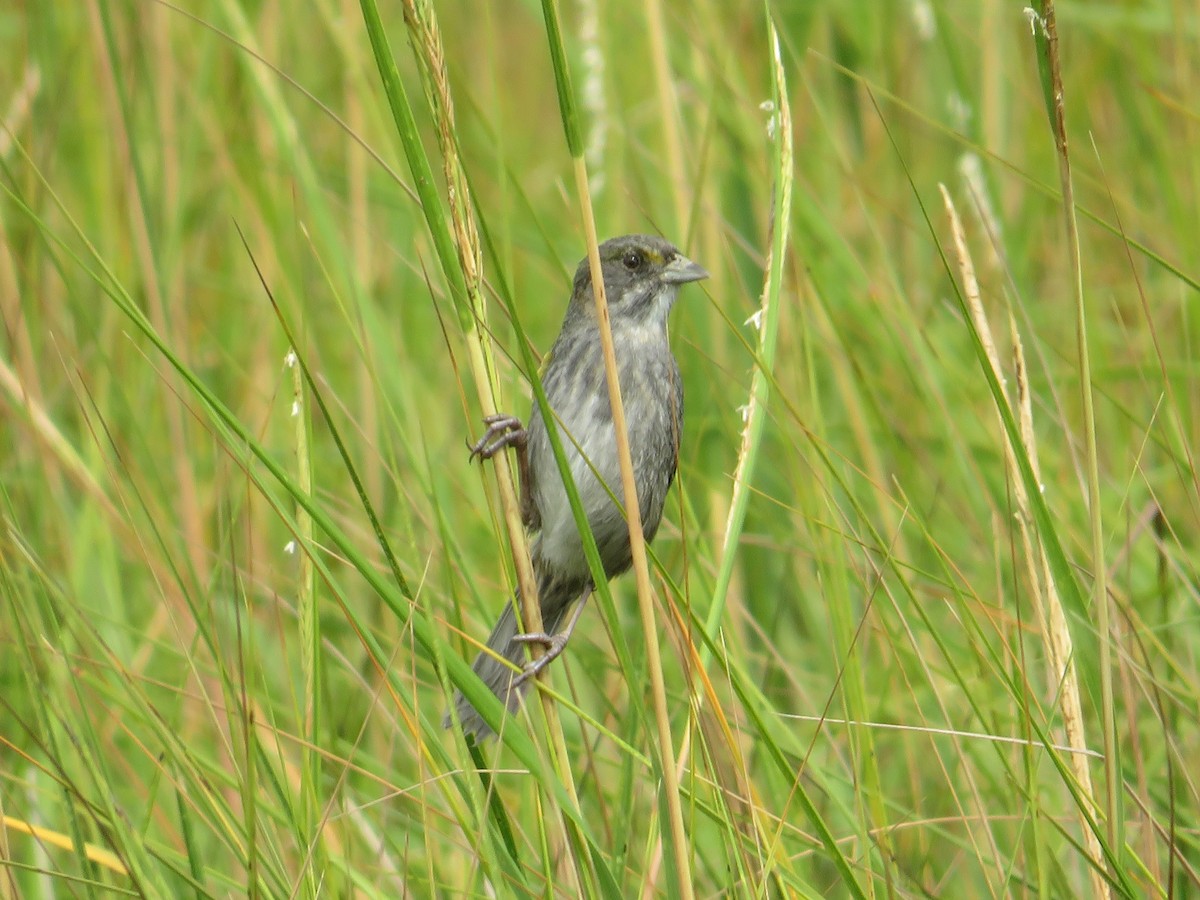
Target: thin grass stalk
{"x":1052,"y":67}
{"x":16,"y":325}
{"x":766,"y":320}
{"x":1057,"y":635}
{"x":637,"y":545}
{"x":49,"y":439}
{"x":310,"y":635}
{"x":92,"y":852}
{"x":668,"y":113}
{"x":360,"y":253}
{"x":664,"y":755}
{"x":1062,"y":669}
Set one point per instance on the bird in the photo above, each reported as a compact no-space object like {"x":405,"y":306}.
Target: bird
{"x":642,"y":277}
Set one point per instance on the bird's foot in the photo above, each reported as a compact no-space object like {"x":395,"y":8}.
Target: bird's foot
{"x":554,"y":644}
{"x":503,"y":431}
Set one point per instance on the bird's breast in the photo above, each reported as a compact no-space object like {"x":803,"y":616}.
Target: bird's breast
{"x":577,"y":391}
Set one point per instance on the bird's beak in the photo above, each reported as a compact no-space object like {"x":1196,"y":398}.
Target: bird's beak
{"x":681,"y":270}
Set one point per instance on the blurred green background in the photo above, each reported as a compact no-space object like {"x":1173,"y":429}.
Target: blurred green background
{"x":187,"y":710}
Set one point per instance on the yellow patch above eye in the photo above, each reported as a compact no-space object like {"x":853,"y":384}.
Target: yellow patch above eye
{"x":655,"y":256}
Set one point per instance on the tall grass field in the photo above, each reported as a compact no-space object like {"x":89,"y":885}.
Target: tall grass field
{"x":923,"y":616}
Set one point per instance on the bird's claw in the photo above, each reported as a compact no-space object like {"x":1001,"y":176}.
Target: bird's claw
{"x":554,"y":644}
{"x":503,"y":431}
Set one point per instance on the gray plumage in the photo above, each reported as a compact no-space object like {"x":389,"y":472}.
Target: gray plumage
{"x":642,"y":275}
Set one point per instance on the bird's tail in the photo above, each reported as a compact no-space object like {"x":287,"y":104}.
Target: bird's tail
{"x":501,"y":664}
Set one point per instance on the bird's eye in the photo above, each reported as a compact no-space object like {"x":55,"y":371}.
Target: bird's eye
{"x":632,"y":260}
